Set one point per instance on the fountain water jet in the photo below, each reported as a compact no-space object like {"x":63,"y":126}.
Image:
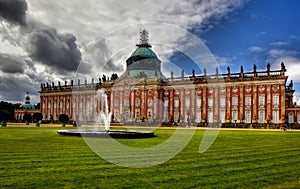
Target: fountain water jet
{"x":104,"y":117}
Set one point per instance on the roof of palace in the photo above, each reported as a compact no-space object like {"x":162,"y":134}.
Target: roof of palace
{"x":143,"y":52}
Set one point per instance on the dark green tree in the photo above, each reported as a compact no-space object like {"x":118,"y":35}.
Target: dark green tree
{"x":5,"y":115}
{"x":8,"y":107}
{"x":37,"y":106}
{"x":27,"y":118}
{"x":37,"y":117}
{"x":63,"y":118}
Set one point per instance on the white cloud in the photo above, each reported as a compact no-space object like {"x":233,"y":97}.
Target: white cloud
{"x":292,"y":62}
{"x":108,"y":30}
{"x":279,"y":43}
{"x":261,"y":34}
{"x":255,"y":49}
{"x":275,"y":54}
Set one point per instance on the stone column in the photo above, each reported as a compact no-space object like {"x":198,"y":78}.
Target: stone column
{"x":204,"y":114}
{"x":155,"y":103}
{"x":269,"y":99}
{"x":255,"y":105}
{"x":182,"y":116}
{"x":282,"y":103}
{"x":171,"y":113}
{"x":228,"y":109}
{"x":242,"y":113}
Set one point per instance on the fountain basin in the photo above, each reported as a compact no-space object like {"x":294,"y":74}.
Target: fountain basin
{"x":105,"y":134}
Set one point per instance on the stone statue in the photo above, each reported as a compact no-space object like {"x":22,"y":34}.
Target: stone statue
{"x":228,"y":70}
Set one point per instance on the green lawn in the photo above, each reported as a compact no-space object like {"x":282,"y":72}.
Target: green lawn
{"x":40,"y":158}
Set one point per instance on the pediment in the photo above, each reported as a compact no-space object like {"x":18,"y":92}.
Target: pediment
{"x":126,"y":80}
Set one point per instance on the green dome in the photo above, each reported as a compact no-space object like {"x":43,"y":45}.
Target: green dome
{"x":144,"y":52}
{"x":28,"y":106}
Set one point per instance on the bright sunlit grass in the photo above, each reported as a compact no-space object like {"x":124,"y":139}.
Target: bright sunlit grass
{"x":40,"y":158}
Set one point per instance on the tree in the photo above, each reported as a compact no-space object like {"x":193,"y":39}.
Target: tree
{"x":27,"y":118}
{"x":37,"y":106}
{"x":4,"y":117}
{"x":8,"y":107}
{"x":63,"y":118}
{"x":37,"y":117}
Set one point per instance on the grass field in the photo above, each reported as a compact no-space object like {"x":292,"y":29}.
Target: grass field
{"x":40,"y":158}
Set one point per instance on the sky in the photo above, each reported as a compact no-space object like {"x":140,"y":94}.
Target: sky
{"x":50,"y":41}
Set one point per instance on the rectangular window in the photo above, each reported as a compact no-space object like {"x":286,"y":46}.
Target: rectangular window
{"x":187,"y":103}
{"x":210,"y":102}
{"x":210,"y":117}
{"x":137,"y":103}
{"x":166,"y":116}
{"x":275,"y":117}
{"x":176,"y":116}
{"x":198,"y":117}
{"x":248,"y":102}
{"x":198,"y":102}
{"x":116,"y":103}
{"x":67,"y":107}
{"x":126,"y":102}
{"x":222,"y":116}
{"x":261,"y":117}
{"x":275,"y":101}
{"x":234,"y":116}
{"x":222,"y":102}
{"x":176,"y":103}
{"x":291,"y":117}
{"x":248,"y":117}
{"x":166,"y":103}
{"x":234,"y":101}
{"x":261,"y":101}
{"x":150,"y":103}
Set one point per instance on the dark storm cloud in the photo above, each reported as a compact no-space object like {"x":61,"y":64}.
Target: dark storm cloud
{"x":11,"y":63}
{"x":13,"y":89}
{"x":54,"y":49}
{"x":113,"y":67}
{"x":14,"y":11}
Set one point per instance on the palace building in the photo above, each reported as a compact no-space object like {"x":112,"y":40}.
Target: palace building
{"x":26,"y":108}
{"x":144,"y":94}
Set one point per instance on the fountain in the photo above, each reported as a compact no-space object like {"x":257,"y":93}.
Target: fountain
{"x":104,"y":117}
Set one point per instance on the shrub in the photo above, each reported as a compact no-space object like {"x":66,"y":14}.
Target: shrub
{"x":4,"y":117}
{"x":27,"y":118}
{"x":63,"y":118}
{"x":37,"y":117}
